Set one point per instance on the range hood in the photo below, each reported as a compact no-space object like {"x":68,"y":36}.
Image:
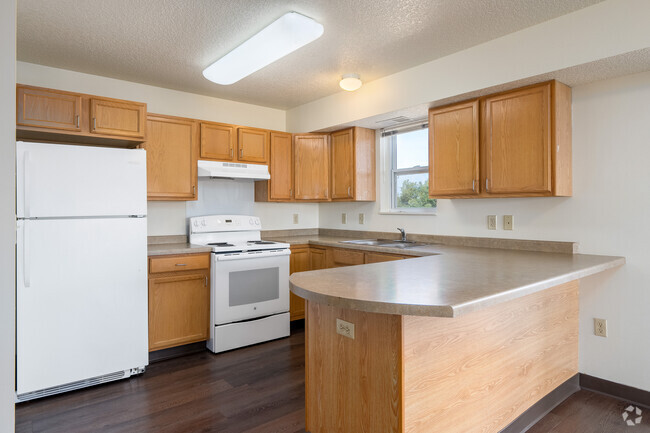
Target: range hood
{"x":232,"y":170}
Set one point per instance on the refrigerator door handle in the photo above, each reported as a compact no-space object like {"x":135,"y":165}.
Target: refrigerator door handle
{"x":27,"y":278}
{"x":26,"y":189}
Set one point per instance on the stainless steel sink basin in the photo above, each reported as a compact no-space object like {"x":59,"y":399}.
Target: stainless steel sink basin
{"x":386,"y":243}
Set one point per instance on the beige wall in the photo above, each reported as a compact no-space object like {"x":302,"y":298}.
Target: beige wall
{"x":608,"y":214}
{"x":7,"y":211}
{"x":607,"y":29}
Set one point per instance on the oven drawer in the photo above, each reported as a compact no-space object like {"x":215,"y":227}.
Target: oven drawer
{"x":179,"y":263}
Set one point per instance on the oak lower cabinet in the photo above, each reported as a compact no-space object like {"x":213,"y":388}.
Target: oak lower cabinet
{"x":311,"y":156}
{"x":179,"y":300}
{"x":280,"y":186}
{"x":371,"y":257}
{"x":338,"y":257}
{"x":299,"y":262}
{"x":68,"y":117}
{"x":511,"y":144}
{"x":172,"y":149}
{"x":317,"y":258}
{"x":353,"y":165}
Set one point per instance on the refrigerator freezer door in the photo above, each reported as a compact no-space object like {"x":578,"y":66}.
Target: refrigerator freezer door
{"x":81,"y":297}
{"x":54,"y":180}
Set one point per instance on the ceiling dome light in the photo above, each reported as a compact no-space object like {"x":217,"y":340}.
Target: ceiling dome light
{"x":283,"y":36}
{"x":350,"y":82}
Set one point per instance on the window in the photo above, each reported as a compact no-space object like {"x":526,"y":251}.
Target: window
{"x":409,"y":170}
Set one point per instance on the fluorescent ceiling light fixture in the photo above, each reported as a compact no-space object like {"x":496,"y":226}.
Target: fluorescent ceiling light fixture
{"x":350,"y":82}
{"x":283,"y":36}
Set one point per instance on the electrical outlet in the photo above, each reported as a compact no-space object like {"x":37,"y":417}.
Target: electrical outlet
{"x":492,"y":222}
{"x":344,"y":328}
{"x":600,"y":327}
{"x":344,"y":218}
{"x":508,"y":222}
{"x":296,"y":218}
{"x":362,"y":218}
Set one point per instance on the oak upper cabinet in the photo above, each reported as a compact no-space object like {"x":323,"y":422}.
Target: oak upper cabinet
{"x":179,"y":300}
{"x":527,"y":141}
{"x":524,"y":145}
{"x":46,"y":108}
{"x":118,"y":118}
{"x":311,"y":166}
{"x":454,"y":150}
{"x":299,"y":262}
{"x":353,"y":164}
{"x":67,"y":117}
{"x":172,"y":148}
{"x":253,"y":145}
{"x":218,"y":141}
{"x":280,"y":186}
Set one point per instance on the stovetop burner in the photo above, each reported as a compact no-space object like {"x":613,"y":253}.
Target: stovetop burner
{"x":221,"y":244}
{"x":261,"y":242}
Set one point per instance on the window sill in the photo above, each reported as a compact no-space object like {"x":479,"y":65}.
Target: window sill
{"x":433,"y":212}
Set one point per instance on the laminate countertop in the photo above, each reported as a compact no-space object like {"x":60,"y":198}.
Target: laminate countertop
{"x":176,"y":248}
{"x":446,"y":281}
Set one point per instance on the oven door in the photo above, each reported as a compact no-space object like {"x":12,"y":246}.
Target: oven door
{"x":249,"y":285}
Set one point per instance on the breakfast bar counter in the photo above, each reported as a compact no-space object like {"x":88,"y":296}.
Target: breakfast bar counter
{"x":461,"y":340}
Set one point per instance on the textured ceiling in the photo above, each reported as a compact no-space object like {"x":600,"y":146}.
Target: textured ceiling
{"x":168,"y":43}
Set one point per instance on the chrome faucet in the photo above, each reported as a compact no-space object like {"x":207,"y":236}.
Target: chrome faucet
{"x":403,"y":234}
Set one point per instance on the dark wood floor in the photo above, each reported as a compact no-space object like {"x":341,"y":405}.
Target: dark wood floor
{"x":257,"y":389}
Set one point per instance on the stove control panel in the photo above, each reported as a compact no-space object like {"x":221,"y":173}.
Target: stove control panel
{"x":224,"y":223}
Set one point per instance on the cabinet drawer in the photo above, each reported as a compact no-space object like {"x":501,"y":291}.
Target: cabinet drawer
{"x":341,"y":257}
{"x":178,"y":263}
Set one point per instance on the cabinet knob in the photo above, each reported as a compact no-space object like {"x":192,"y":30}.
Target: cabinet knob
{"x":231,"y":152}
{"x":241,"y":152}
{"x":181,"y":264}
{"x":94,"y":123}
{"x":349,"y":195}
{"x":77,"y":120}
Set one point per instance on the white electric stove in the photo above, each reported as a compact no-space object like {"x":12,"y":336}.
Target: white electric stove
{"x":249,"y":287}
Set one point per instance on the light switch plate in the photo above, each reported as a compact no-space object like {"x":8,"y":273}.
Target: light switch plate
{"x":508,"y":222}
{"x":344,"y":328}
{"x":492,"y":222}
{"x":362,"y":218}
{"x":295,"y":218}
{"x":344,"y":218}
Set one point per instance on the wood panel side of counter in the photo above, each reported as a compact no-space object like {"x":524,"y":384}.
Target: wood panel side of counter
{"x":353,"y":385}
{"x":480,"y":371}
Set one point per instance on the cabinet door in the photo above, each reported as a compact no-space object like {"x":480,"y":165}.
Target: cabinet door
{"x":339,"y":257}
{"x":454,"y":150}
{"x":379,"y":257}
{"x":44,"y":108}
{"x":299,"y":262}
{"x":311,"y":167}
{"x":343,"y":164}
{"x":517,"y":141}
{"x":119,"y":118}
{"x":253,"y":145}
{"x":171,"y":158}
{"x":317,"y":258}
{"x":281,"y":167}
{"x":217,"y":141}
{"x":179,"y":310}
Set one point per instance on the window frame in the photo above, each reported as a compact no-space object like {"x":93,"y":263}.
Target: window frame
{"x":394,"y":172}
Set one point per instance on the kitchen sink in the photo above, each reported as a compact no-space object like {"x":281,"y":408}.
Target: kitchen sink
{"x":386,"y":243}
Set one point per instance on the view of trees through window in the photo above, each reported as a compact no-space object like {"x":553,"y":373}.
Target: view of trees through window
{"x":410,"y":170}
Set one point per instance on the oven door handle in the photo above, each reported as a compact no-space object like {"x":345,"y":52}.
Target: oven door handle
{"x":255,"y":255}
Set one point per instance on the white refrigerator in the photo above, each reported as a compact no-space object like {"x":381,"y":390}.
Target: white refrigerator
{"x":81,"y":267}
